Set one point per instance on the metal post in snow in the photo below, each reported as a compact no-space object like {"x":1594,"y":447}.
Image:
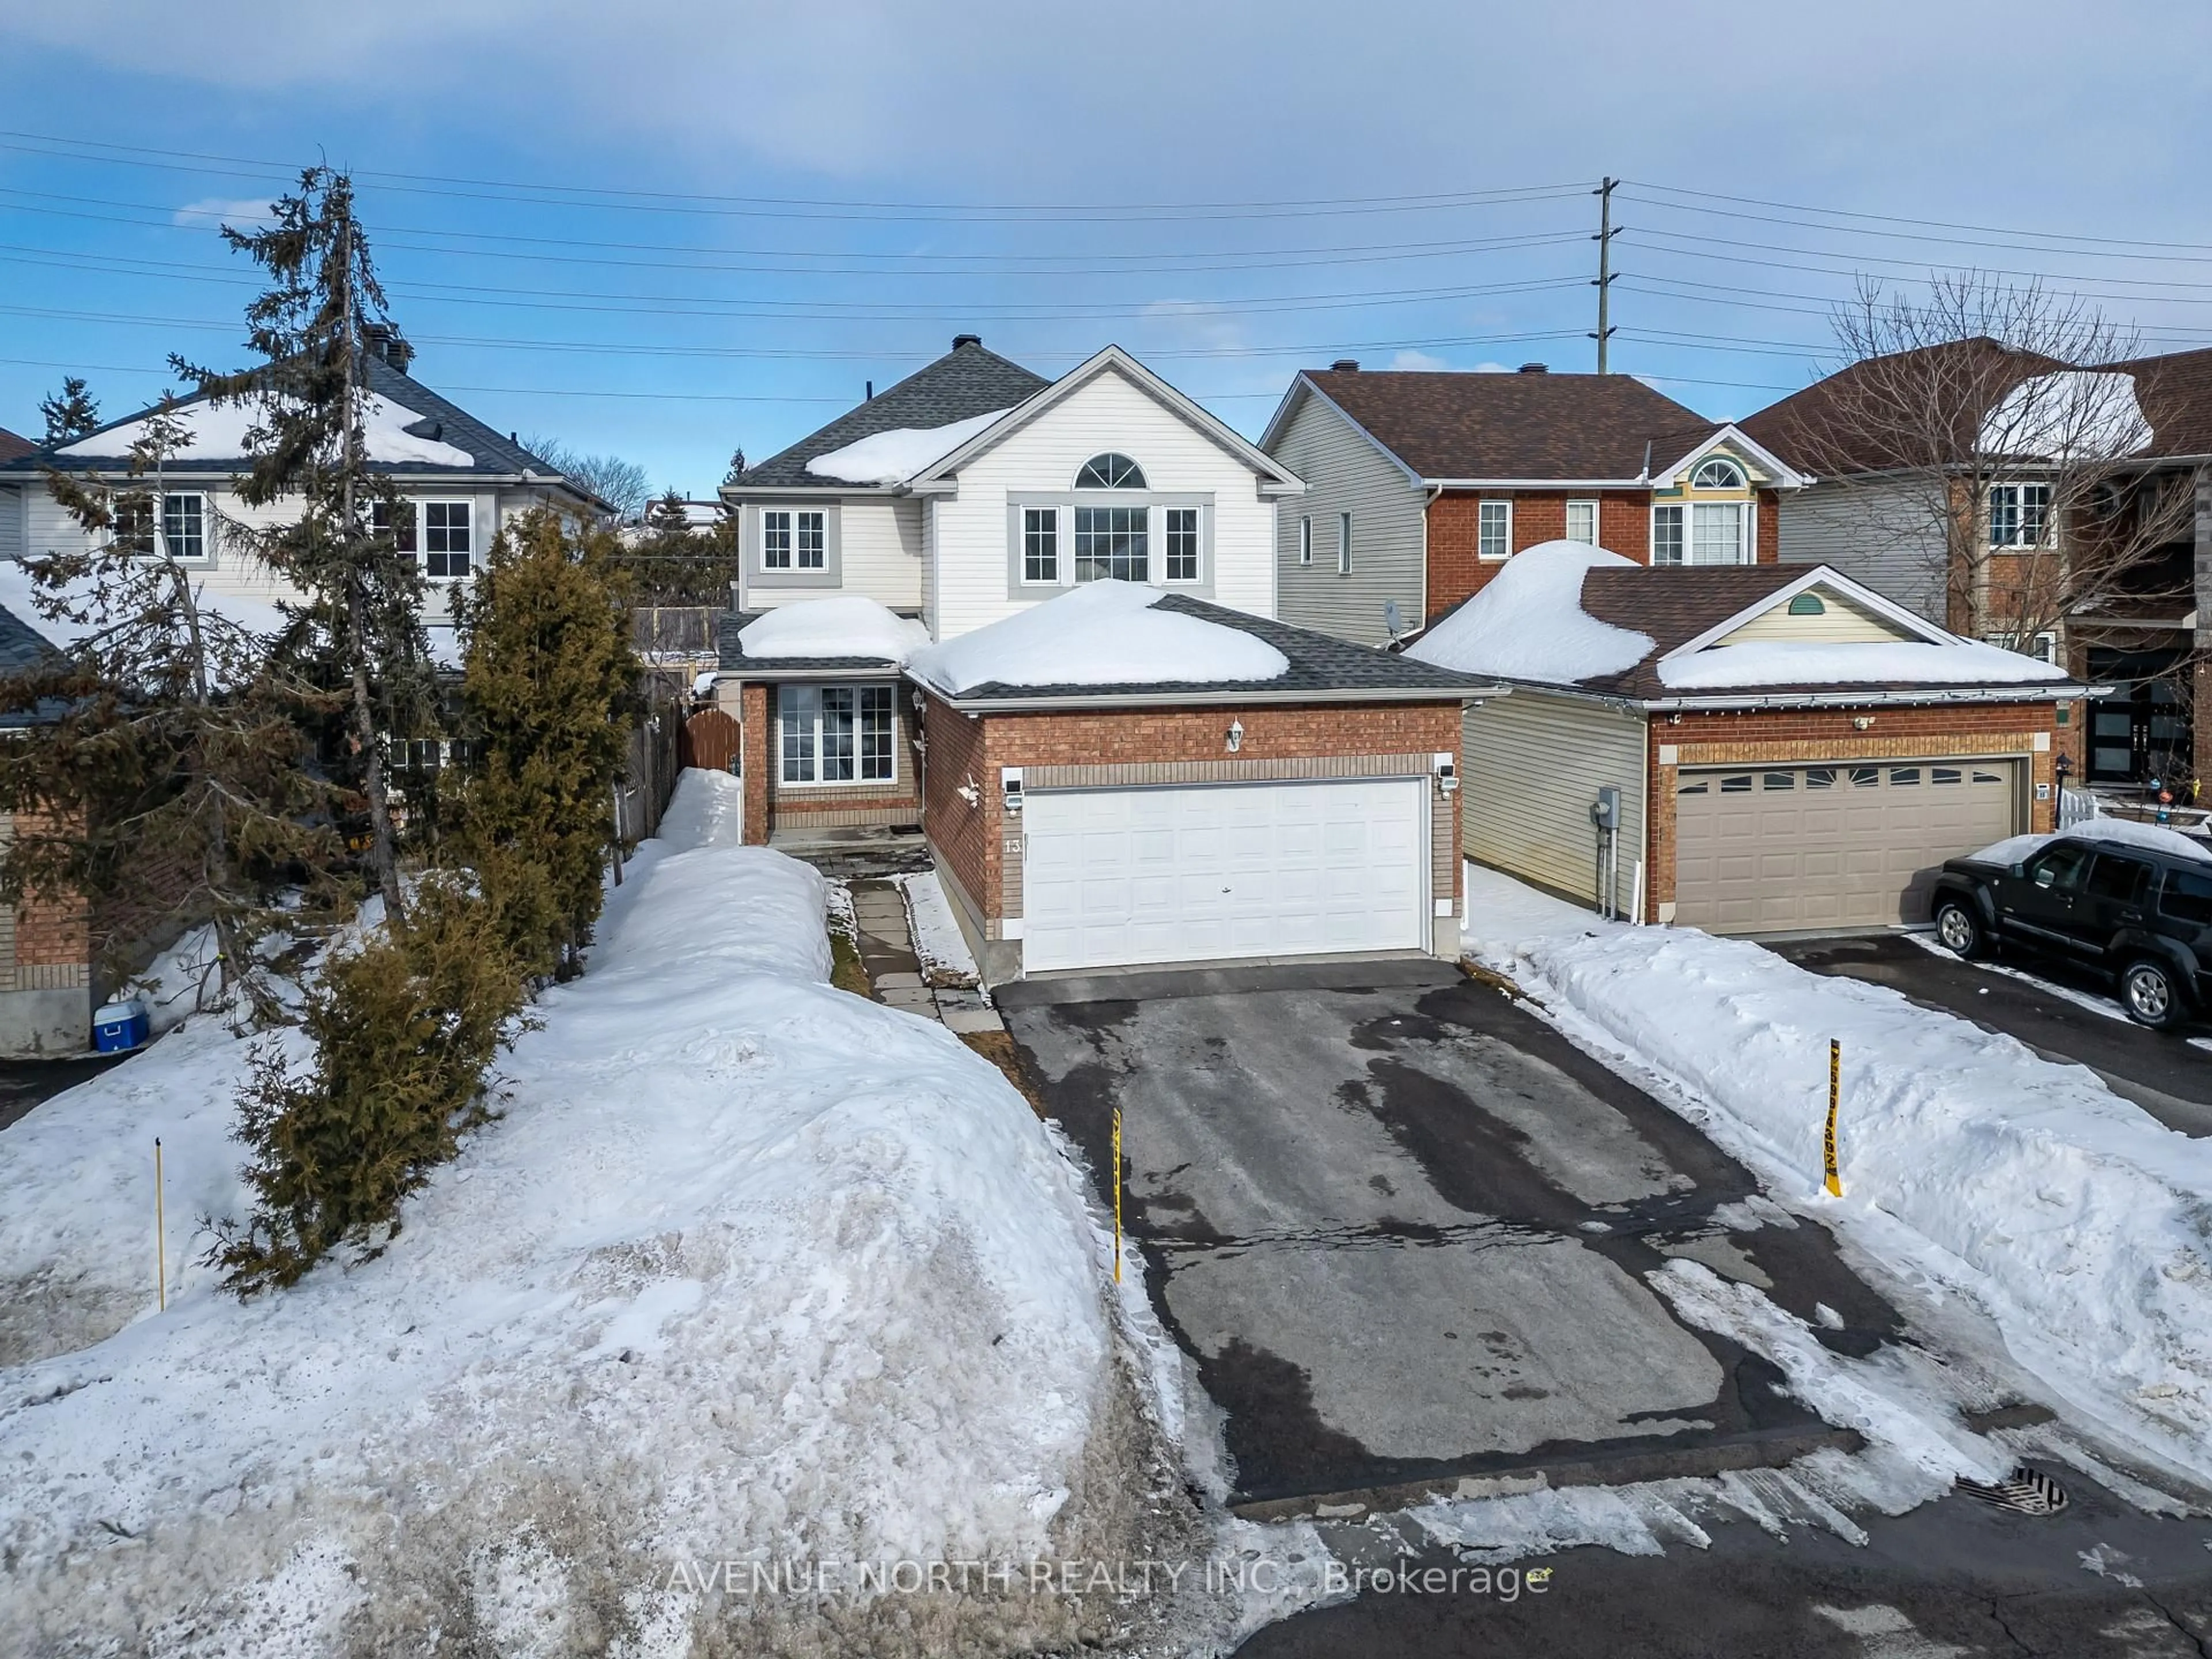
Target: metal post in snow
{"x":1117,"y":1195}
{"x":1835,"y":1181}
{"x":161,"y":1232}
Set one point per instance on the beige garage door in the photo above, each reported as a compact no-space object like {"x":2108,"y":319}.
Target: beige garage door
{"x":1767,"y":851}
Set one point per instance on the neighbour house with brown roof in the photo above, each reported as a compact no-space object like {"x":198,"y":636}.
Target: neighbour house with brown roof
{"x":1421,"y":485}
{"x":1761,"y":749}
{"x":1036,"y":619}
{"x":2063,"y":511}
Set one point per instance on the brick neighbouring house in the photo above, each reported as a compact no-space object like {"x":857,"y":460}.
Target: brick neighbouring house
{"x":46,"y":942}
{"x":1751,"y":802}
{"x":1106,"y":821}
{"x":1421,"y":484}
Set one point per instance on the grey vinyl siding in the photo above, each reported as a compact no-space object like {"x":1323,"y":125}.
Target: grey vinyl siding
{"x":1532,"y":767}
{"x":1867,"y":532}
{"x":1346,"y":473}
{"x":11,"y":523}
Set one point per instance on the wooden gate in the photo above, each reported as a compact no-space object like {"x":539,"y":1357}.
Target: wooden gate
{"x":710,"y":740}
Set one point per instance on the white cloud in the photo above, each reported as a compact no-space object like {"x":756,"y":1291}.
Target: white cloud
{"x":1410,"y":359}
{"x":244,"y":212}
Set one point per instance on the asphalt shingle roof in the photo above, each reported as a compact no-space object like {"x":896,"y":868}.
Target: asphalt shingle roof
{"x":967,"y":382}
{"x":494,"y":453}
{"x":2174,"y":392}
{"x":14,"y":447}
{"x":1449,"y":425}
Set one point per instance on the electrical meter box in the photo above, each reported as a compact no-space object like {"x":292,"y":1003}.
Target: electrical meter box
{"x":1605,"y":811}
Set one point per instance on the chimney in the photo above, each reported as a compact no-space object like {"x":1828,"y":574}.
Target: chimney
{"x":959,"y":340}
{"x":871,"y":385}
{"x":383,"y":340}
{"x":1536,"y":368}
{"x":1344,"y":366}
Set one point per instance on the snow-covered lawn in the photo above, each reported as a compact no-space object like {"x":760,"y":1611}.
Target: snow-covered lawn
{"x":2080,"y":1225}
{"x":749,"y":1270}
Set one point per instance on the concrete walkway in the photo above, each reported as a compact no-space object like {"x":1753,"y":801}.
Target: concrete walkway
{"x":895,"y":974}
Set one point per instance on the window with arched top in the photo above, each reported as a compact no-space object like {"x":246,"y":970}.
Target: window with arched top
{"x":1719,"y":473}
{"x":1110,"y":471}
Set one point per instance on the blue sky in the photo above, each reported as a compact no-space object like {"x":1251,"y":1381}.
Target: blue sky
{"x":671,"y":229}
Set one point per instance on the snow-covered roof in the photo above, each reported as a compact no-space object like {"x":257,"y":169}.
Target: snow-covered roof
{"x":1105,"y":632}
{"x":1776,"y":662}
{"x":893,"y":457}
{"x":218,"y":433}
{"x":847,"y":626}
{"x":2074,"y":414}
{"x":1528,"y":622}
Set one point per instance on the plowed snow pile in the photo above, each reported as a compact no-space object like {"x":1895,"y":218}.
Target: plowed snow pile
{"x":749,"y":1270}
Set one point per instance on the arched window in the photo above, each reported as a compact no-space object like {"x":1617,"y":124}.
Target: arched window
{"x":1719,"y":473}
{"x":1110,"y":471}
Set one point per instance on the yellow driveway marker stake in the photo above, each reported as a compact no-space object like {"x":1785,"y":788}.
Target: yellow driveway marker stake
{"x":1117,"y":1195}
{"x":1835,"y":1183}
{"x":161,"y":1240}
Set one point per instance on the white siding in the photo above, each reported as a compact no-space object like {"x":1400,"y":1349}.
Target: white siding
{"x":1346,"y":473}
{"x":1531,"y":771}
{"x":11,"y":521}
{"x":1867,"y":532}
{"x":1839,"y":621}
{"x":880,"y":541}
{"x":1108,"y":413}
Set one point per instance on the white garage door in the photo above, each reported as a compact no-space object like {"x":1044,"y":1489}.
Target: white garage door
{"x":1802,"y":846}
{"x":1113,"y":877}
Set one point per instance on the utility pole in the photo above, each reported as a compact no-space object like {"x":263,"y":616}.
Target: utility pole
{"x":1606,"y":230}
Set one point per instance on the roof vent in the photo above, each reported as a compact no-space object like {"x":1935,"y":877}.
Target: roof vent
{"x":1345,"y":366}
{"x":1536,"y":368}
{"x":384,"y":341}
{"x":959,"y":340}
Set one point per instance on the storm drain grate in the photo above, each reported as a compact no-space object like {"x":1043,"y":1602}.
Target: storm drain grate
{"x":2024,"y":1491}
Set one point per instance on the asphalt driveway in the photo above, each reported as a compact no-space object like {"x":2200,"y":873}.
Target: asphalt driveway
{"x":2167,"y":1077}
{"x":1403,"y":1228}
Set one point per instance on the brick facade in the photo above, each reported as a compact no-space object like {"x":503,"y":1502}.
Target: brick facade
{"x":1822,"y":737}
{"x":980,"y":848}
{"x":772,"y":806}
{"x":1456,"y":569}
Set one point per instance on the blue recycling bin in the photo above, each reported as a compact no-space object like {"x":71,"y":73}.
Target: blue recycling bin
{"x":120,"y":1027}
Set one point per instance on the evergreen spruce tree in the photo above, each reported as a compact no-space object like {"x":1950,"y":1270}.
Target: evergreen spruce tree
{"x":362,"y":620}
{"x":669,"y":561}
{"x":165,"y":781}
{"x":550,"y":682}
{"x":70,"y":413}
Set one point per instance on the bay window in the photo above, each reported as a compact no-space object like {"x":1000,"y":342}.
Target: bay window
{"x":836,"y":734}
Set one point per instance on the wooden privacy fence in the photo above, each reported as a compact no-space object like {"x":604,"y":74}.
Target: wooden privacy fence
{"x":648,"y":776}
{"x":709,"y":739}
{"x":673,"y":633}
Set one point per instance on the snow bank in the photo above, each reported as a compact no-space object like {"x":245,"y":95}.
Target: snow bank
{"x":2073,"y":414}
{"x":2080,"y":1224}
{"x":2123,"y":832}
{"x":893,"y":457}
{"x":1772,"y":662}
{"x":1104,"y":633}
{"x":1528,"y":623}
{"x":749,"y":1269}
{"x":219,"y":434}
{"x":851,"y":626}
{"x":938,"y":940}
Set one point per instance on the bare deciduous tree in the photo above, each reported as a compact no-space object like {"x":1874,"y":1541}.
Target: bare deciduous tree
{"x":1980,"y":429}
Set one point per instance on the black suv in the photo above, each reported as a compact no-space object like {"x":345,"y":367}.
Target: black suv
{"x":2140,"y":915}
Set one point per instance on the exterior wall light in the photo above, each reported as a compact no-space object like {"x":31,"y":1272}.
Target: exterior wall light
{"x":1236,"y":735}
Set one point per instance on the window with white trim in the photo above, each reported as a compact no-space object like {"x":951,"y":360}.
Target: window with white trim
{"x":1110,"y":471}
{"x":794,"y":539}
{"x":1701,"y":532}
{"x":2043,"y":646}
{"x":1182,"y":543}
{"x":2020,"y":516}
{"x":401,"y":525}
{"x":184,"y":526}
{"x":448,"y":550}
{"x":1040,"y":544}
{"x":836,"y":734}
{"x":1717,"y":473}
{"x":1494,"y":529}
{"x":1305,"y":540}
{"x":1113,"y":541}
{"x":1582,"y":522}
{"x":1344,"y":544}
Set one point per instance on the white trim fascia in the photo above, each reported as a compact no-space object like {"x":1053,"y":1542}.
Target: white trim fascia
{"x":736,"y":497}
{"x":1785,"y":476}
{"x":1815,"y":575}
{"x":1345,"y":414}
{"x":2022,"y":691}
{"x":1536,"y":483}
{"x":1228,"y":696}
{"x":1111,"y":358}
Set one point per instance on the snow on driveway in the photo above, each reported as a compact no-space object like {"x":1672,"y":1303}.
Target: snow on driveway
{"x":751,"y":1269}
{"x":2080,"y":1224}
